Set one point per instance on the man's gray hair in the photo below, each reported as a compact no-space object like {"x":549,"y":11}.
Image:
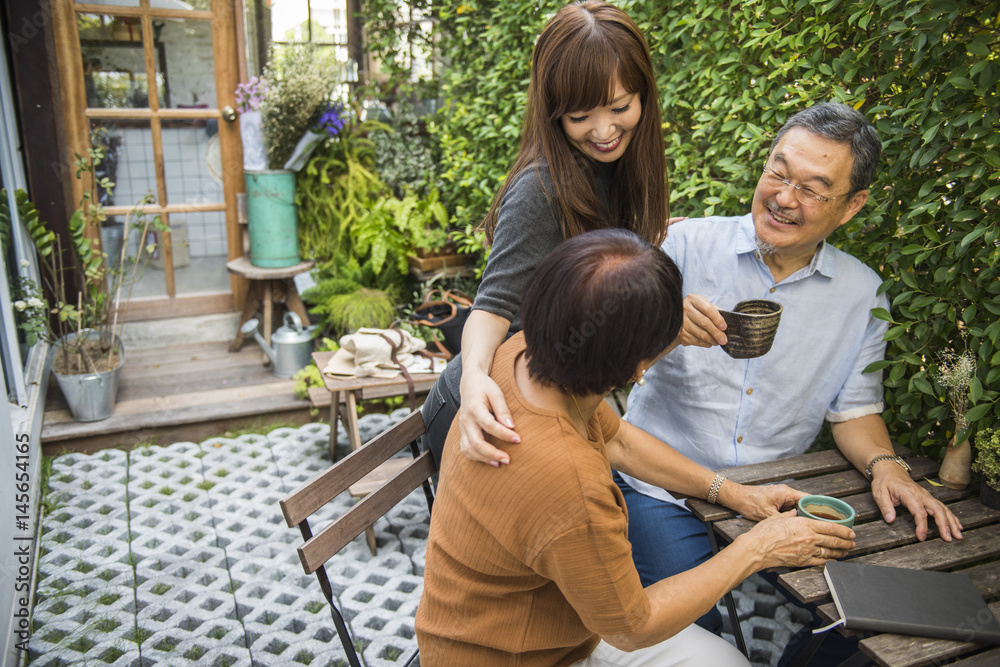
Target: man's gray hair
{"x":843,"y":124}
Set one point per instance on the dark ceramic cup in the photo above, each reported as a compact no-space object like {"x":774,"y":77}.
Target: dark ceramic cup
{"x":750,"y":328}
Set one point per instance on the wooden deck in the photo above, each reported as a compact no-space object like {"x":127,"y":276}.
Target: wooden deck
{"x":175,"y":394}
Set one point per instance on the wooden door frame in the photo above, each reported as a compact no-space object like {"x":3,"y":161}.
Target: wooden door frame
{"x":225,"y":22}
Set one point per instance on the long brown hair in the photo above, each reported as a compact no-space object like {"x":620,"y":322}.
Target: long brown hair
{"x":576,"y":59}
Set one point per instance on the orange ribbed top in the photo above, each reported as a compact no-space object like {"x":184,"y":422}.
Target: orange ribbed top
{"x":528,"y":564}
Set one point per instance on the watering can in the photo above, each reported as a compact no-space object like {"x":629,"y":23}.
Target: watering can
{"x":292,"y":344}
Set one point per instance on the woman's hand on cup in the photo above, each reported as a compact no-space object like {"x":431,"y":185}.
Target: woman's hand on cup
{"x":787,"y":540}
{"x":758,"y":502}
{"x":484,"y":411}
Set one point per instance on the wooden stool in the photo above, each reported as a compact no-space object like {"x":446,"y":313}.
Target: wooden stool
{"x":267,"y":287}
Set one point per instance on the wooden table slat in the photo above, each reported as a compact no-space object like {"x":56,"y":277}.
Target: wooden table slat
{"x":891,"y":650}
{"x":989,"y":658}
{"x":863,"y":504}
{"x":809,"y":585}
{"x":837,"y":483}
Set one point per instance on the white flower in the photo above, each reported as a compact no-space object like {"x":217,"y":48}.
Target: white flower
{"x":25,"y":263}
{"x":35,"y":302}
{"x":20,"y":306}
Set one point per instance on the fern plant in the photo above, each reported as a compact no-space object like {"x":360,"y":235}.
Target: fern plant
{"x":349,"y":295}
{"x":394,"y":227}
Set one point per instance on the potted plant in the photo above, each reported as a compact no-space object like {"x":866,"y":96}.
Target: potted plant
{"x":987,"y":464}
{"x":955,"y":373}
{"x":283,"y":117}
{"x":83,"y":327}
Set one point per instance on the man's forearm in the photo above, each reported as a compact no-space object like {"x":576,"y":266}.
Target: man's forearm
{"x":862,"y":439}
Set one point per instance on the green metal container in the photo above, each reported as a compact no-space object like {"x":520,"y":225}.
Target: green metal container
{"x":273,"y":218}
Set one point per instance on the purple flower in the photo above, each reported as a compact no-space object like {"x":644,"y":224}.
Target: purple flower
{"x":332,"y":119}
{"x":250,"y":95}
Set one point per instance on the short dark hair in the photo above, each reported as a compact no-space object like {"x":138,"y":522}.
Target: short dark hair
{"x":597,"y":306}
{"x":846,"y":125}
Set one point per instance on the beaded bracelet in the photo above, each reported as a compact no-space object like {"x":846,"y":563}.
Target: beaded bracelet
{"x":713,"y":493}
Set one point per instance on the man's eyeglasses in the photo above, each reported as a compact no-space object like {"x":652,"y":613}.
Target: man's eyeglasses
{"x":805,"y":194}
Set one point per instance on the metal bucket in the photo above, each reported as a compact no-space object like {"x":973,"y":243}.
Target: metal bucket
{"x":273,"y":218}
{"x":91,"y":396}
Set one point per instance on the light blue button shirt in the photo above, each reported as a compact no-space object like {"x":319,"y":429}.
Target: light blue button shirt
{"x":723,"y":412}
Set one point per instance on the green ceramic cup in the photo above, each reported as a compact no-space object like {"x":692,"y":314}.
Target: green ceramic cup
{"x":825,"y":508}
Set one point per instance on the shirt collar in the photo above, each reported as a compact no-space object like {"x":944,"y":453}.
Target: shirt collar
{"x":823,"y":261}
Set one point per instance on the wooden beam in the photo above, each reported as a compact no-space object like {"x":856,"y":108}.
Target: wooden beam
{"x":227,"y":55}
{"x":159,"y":308}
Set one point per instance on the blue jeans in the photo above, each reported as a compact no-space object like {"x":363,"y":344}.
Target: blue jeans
{"x":666,"y":540}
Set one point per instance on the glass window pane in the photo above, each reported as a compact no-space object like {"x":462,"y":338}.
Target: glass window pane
{"x":188,"y":63}
{"x":114,"y":65}
{"x":192,"y":163}
{"x":329,"y":21}
{"x":290,"y":20}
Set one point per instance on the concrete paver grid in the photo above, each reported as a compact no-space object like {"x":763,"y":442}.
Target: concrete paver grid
{"x":179,"y":555}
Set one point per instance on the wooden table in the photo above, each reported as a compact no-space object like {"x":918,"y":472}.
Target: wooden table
{"x":267,"y":287}
{"x":879,"y":543}
{"x":353,"y":390}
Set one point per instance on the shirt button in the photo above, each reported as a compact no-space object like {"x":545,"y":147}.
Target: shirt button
{"x":772,"y":289}
{"x":749,"y":391}
{"x":739,"y":439}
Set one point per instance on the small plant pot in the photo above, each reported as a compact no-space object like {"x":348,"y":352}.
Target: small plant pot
{"x":90,"y":396}
{"x":956,"y":468}
{"x":988,"y":496}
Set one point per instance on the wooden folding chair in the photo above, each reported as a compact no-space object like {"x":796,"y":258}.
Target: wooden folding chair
{"x":317,"y":549}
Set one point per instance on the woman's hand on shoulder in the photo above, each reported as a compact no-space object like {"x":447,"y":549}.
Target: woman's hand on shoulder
{"x":484,"y":411}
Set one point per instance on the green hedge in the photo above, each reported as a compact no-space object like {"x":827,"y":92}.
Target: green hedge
{"x":925,"y":72}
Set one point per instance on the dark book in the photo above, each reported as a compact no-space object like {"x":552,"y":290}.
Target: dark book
{"x":943,"y":605}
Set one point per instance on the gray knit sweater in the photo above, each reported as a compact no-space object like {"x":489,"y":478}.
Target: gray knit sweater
{"x":528,"y":228}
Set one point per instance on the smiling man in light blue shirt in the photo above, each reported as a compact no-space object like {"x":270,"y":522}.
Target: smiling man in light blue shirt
{"x":721,"y":411}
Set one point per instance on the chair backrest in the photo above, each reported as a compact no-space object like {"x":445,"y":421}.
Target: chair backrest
{"x":318,"y":548}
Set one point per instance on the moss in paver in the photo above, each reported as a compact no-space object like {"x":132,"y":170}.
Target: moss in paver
{"x":111,"y":654}
{"x":188,"y":497}
{"x":167,"y":491}
{"x":221,"y":472}
{"x":314,"y":607}
{"x":160,"y":588}
{"x":139,"y":635}
{"x":84,"y":567}
{"x":303,"y":657}
{"x":391,"y":653}
{"x":194,"y":652}
{"x":205,"y":485}
{"x":81,"y":644}
{"x":166,"y":644}
{"x":108,"y":598}
{"x":107,"y":624}
{"x":218,"y":632}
